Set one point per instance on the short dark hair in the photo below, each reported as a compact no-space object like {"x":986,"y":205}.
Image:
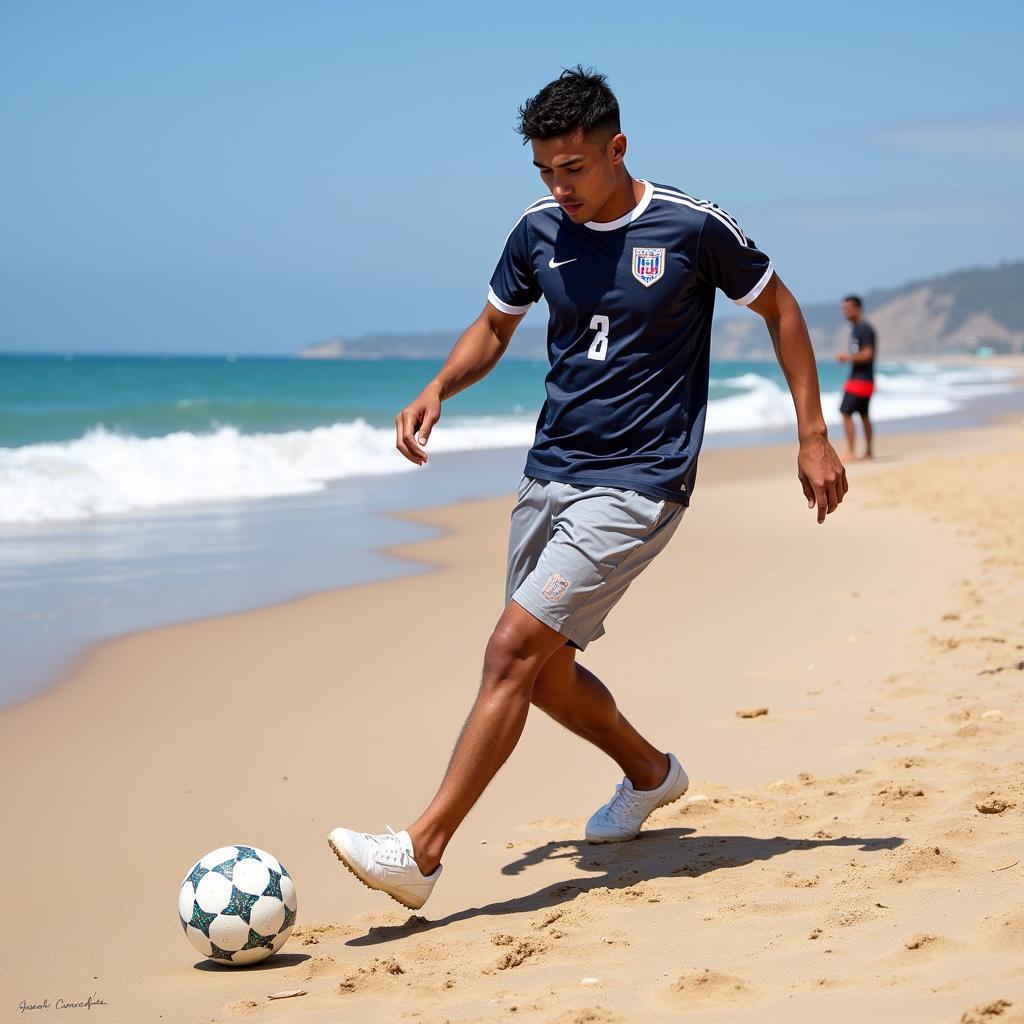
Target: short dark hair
{"x":576,"y":99}
{"x":855,"y":299}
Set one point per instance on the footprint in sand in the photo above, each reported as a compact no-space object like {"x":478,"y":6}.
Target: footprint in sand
{"x":520,"y":952}
{"x":910,"y":863}
{"x":994,"y":805}
{"x":312,"y":934}
{"x":999,"y":1011}
{"x":317,"y":966}
{"x":373,"y":977}
{"x":707,"y":987}
{"x":243,"y":1008}
{"x":591,"y":1015}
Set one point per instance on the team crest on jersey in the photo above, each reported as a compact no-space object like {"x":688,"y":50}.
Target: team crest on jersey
{"x":648,"y":265}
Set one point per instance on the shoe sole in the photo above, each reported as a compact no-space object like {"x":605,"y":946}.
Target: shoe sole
{"x":629,"y":839}
{"x":373,"y":888}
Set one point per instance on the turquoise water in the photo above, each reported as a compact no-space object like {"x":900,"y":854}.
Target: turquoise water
{"x":127,"y":485}
{"x":54,"y":398}
{"x":47,"y":398}
{"x":91,"y":436}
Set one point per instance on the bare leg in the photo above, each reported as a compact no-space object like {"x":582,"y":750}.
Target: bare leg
{"x":574,"y":697}
{"x":851,"y":436}
{"x":868,"y":434}
{"x":518,"y":647}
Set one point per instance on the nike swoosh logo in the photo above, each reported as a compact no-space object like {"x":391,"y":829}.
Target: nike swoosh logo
{"x":554,"y":266}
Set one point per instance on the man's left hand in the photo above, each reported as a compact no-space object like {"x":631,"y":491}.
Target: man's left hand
{"x":822,"y":475}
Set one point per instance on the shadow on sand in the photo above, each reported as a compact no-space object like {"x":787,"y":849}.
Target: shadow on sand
{"x":659,"y":853}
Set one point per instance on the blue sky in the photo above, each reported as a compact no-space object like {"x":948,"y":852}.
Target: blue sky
{"x":253,"y":177}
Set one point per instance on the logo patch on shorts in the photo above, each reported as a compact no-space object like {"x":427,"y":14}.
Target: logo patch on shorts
{"x":555,"y":587}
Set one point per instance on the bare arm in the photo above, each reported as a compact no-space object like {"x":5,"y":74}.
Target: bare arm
{"x":821,"y":474}
{"x":473,"y":356}
{"x":865,"y":355}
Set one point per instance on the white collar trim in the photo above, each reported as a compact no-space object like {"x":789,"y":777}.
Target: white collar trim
{"x":626,"y":218}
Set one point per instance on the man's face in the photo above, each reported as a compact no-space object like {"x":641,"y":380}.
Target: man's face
{"x":579,"y":173}
{"x":851,"y":310}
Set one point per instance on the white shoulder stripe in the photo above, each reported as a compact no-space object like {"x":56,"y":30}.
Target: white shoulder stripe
{"x":706,"y":203}
{"x":668,"y":190}
{"x":706,"y":208}
{"x":544,"y":199}
{"x":701,"y":202}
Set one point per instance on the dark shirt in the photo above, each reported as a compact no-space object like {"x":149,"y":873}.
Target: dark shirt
{"x":629,"y":331}
{"x":863,"y":336}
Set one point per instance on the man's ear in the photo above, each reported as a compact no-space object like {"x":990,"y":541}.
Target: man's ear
{"x":617,"y":148}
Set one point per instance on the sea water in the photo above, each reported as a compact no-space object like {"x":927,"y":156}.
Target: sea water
{"x":91,"y":436}
{"x":136,"y":492}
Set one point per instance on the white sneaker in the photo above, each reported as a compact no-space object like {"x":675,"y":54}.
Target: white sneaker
{"x":384,"y":862}
{"x":623,"y":816}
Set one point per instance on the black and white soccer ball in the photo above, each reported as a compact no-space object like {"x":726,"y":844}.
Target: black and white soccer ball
{"x":237,"y":905}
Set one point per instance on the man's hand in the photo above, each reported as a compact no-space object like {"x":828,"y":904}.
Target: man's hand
{"x":842,"y":357}
{"x":414,"y":423}
{"x":822,"y":475}
{"x":475,"y":354}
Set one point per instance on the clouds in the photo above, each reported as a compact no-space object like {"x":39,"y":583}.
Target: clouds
{"x":922,"y":208}
{"x":992,"y":135}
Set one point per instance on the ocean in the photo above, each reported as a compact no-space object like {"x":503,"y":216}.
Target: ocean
{"x":140,"y":491}
{"x":88,"y":436}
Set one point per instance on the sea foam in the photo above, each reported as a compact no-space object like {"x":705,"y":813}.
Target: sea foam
{"x":106,"y":472}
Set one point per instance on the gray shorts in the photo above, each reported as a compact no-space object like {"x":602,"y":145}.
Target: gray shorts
{"x":573,"y":551}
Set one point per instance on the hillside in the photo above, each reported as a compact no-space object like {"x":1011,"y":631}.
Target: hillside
{"x":955,"y":313}
{"x":952,"y":314}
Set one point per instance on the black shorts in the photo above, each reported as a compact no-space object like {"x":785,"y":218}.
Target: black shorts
{"x":854,"y":403}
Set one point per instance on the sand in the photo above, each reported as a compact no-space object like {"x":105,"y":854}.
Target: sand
{"x":853,"y":853}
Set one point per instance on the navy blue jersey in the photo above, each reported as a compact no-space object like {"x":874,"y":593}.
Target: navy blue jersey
{"x":629,"y":334}
{"x":863,"y":336}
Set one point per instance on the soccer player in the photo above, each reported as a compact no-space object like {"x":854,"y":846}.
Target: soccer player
{"x":860,"y":386}
{"x":629,"y":270}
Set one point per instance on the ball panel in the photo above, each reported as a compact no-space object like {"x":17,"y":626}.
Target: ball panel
{"x":218,"y":856}
{"x":250,"y":956}
{"x":281,"y":938}
{"x":269,"y":859}
{"x":229,"y":932}
{"x":213,"y":893}
{"x":288,"y":892}
{"x":199,"y":940}
{"x":186,"y":896}
{"x":267,"y":915}
{"x":251,"y":876}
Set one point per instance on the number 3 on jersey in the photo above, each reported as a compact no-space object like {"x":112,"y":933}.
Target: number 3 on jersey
{"x":599,"y":346}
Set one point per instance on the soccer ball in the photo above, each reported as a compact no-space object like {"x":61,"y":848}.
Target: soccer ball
{"x":237,"y":905}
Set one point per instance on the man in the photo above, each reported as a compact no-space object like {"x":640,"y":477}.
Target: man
{"x":861,"y":384}
{"x":629,"y":270}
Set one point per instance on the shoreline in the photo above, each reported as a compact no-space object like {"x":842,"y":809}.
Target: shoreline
{"x":391,"y":511}
{"x":877,"y":661}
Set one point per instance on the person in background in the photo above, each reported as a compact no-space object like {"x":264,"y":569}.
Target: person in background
{"x":861,"y":383}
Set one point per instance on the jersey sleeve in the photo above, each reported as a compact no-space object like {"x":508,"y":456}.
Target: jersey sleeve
{"x":514,"y":286}
{"x":727,"y":259}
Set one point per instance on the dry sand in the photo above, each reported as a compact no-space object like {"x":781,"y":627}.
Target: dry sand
{"x":853,"y":854}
